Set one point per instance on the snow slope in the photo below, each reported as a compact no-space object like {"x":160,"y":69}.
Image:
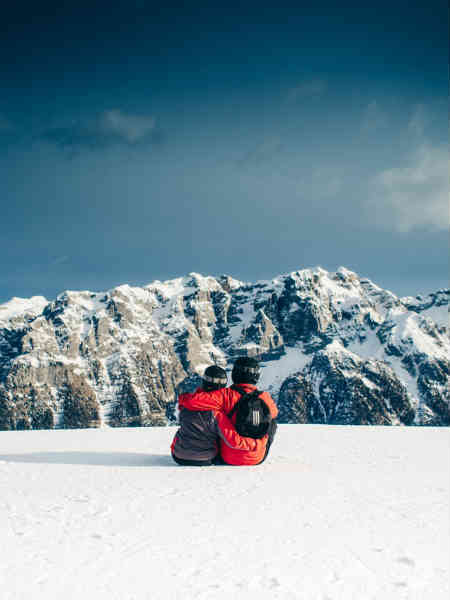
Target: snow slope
{"x":334,"y":513}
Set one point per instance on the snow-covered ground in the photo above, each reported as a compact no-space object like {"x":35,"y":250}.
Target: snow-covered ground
{"x":335,"y":513}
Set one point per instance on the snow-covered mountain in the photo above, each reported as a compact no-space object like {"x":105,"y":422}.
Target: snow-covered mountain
{"x":335,"y":348}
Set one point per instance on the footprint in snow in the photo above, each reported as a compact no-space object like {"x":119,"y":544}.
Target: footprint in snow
{"x":273,"y":583}
{"x":78,"y":498}
{"x":404,"y":560}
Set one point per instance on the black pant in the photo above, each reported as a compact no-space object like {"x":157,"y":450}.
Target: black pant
{"x":192,"y":463}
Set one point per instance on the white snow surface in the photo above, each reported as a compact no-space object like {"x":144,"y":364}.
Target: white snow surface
{"x":335,"y":513}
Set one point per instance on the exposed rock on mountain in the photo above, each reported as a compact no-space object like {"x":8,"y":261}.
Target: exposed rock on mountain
{"x":338,"y":387}
{"x":335,"y":348}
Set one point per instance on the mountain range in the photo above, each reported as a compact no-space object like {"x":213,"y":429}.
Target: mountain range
{"x":334,"y":347}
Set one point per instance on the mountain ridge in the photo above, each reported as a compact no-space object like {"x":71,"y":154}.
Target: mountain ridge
{"x":334,"y":348}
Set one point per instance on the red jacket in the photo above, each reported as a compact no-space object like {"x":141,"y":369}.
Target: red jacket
{"x":221,"y":402}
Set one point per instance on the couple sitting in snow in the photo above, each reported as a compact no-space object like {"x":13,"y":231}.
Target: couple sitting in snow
{"x":220,"y":425}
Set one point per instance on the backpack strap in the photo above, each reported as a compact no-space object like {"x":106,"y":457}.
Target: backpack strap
{"x":243,"y":393}
{"x":236,"y":387}
{"x":233,"y":410}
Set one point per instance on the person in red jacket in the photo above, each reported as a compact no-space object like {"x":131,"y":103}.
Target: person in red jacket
{"x":245,"y":375}
{"x":196,"y":442}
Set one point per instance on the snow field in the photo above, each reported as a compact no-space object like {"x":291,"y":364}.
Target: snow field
{"x":335,"y":513}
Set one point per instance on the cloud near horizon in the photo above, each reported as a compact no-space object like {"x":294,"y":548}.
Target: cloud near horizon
{"x":414,"y":196}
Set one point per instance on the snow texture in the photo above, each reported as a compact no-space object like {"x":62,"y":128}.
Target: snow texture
{"x":21,"y":306}
{"x":335,"y":513}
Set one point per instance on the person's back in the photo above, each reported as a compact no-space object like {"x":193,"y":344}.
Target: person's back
{"x":196,"y":441}
{"x":245,"y":375}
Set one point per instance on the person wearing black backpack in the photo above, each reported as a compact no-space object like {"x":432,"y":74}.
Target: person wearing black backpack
{"x":251,"y":411}
{"x":197,"y":441}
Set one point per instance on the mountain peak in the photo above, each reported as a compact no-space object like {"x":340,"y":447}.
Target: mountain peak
{"x":18,"y":307}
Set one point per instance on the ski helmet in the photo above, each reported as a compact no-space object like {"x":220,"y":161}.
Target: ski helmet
{"x":245,"y":370}
{"x":214,"y":378}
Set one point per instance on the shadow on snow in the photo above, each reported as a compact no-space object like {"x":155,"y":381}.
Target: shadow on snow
{"x":107,"y":459}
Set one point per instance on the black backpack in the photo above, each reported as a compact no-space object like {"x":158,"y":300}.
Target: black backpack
{"x":253,"y":417}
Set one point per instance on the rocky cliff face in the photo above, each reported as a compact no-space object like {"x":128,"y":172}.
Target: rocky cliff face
{"x":335,"y":348}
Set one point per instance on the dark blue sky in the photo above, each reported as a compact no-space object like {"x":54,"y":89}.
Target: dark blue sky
{"x":140,"y":141}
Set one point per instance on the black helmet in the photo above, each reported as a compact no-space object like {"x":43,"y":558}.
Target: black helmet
{"x":214,"y":378}
{"x":245,"y":370}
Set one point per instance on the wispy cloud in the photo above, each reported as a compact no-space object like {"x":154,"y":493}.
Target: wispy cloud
{"x":418,"y":121}
{"x":130,"y":128}
{"x":59,"y":260}
{"x":413,"y":196}
{"x":307,"y":89}
{"x":373,"y":117}
{"x":263,"y":152}
{"x":110,"y":128}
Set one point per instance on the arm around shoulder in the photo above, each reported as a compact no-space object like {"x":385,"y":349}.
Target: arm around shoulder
{"x":230,"y":436}
{"x":201,"y":400}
